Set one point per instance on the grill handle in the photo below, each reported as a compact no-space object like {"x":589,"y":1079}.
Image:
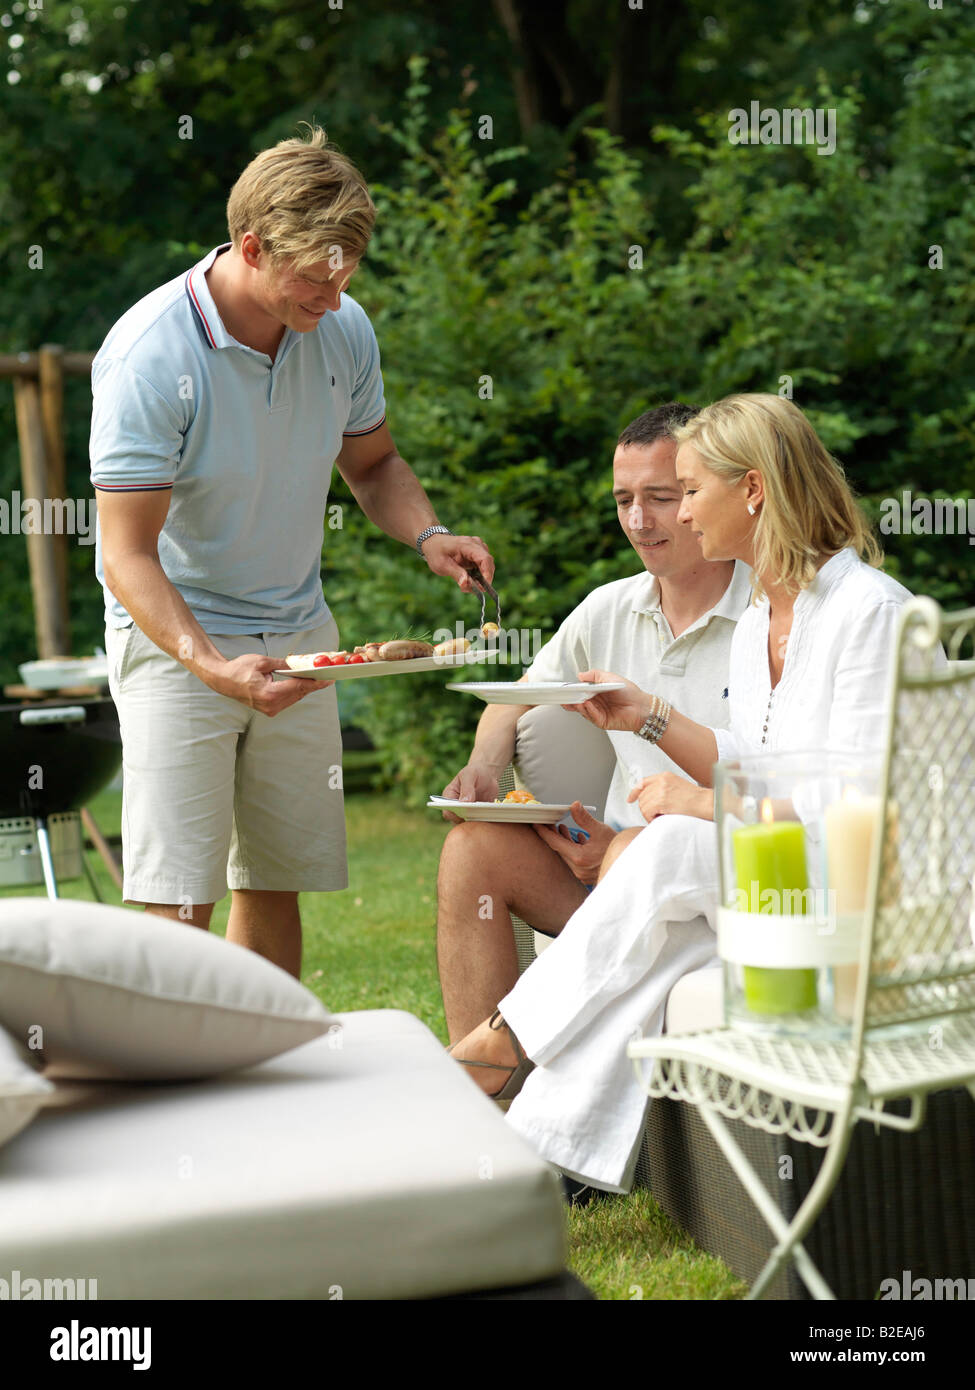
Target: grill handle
{"x":65,"y":714}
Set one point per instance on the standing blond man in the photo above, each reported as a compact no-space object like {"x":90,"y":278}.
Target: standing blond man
{"x":222,"y":400}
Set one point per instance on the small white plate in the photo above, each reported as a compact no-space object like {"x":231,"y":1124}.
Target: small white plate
{"x":535,"y":692}
{"x":366,"y":669}
{"x":507,"y":812}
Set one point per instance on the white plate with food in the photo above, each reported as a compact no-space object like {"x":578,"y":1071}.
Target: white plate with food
{"x":506,"y":812}
{"x":535,"y":692}
{"x":396,"y":658}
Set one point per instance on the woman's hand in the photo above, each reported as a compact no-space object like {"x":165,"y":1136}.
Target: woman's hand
{"x":667,"y":794}
{"x":618,"y":709}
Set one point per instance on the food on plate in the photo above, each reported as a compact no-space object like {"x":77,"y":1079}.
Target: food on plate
{"x":303,"y":661}
{"x":454,"y":646}
{"x":338,"y":659}
{"x":404,"y":649}
{"x":401,"y":649}
{"x":520,"y":798}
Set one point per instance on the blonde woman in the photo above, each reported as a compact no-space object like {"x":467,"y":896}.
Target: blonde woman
{"x":222,"y":400}
{"x":808,"y":669}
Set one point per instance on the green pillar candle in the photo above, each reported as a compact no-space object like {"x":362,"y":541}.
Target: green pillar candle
{"x":770,"y":858}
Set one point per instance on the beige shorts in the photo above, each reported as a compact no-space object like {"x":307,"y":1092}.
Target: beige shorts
{"x":217,"y":795}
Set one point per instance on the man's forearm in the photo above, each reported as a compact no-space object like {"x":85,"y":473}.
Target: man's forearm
{"x":161,"y":612}
{"x":494,"y":743}
{"x":392,"y":498}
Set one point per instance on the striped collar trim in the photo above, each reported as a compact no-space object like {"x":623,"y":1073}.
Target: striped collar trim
{"x":204,"y":310}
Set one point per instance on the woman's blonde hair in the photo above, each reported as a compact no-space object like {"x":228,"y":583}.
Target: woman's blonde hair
{"x":302,"y":198}
{"x":809,"y":507}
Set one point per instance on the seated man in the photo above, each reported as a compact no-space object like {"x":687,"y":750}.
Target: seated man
{"x":669,"y":629}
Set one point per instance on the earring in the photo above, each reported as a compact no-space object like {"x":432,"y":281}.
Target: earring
{"x":751,"y":510}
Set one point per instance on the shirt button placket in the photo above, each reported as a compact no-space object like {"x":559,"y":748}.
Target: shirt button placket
{"x":768,"y":714}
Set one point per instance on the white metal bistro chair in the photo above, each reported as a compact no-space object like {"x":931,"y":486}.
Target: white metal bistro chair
{"x":913,"y":1025}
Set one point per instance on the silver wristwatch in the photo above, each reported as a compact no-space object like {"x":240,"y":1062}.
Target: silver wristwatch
{"x":425,"y":535}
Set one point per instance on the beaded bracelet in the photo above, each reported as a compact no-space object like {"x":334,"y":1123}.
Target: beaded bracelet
{"x":655,"y":725}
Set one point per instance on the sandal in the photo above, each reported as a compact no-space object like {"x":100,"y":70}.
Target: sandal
{"x":517,"y":1072}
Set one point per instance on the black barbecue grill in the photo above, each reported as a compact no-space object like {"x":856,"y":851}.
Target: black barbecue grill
{"x":55,"y":754}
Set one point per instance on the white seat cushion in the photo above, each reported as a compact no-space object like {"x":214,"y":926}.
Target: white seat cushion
{"x":365,"y":1161}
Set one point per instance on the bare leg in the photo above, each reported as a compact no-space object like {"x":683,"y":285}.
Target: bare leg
{"x":486,"y":1044}
{"x":488,"y":871}
{"x":268,"y":923}
{"x":616,"y":848}
{"x":193,"y":914}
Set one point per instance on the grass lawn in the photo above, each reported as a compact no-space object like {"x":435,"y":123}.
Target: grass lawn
{"x":372,"y":947}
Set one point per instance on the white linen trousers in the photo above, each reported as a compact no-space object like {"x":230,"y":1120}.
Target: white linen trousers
{"x":604,"y":980}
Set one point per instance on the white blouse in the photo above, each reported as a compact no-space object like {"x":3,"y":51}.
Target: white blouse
{"x":833,"y":689}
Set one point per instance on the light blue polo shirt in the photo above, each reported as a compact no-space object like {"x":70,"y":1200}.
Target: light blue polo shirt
{"x":245,"y":445}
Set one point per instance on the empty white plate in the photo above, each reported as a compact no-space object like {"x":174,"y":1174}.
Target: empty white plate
{"x":535,"y":692}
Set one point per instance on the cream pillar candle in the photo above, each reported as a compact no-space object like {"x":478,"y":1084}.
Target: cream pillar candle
{"x":851,"y":827}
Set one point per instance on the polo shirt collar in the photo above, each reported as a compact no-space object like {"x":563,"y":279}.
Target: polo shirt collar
{"x":204,"y":309}
{"x":646,"y":599}
{"x":736,"y":597}
{"x":208,"y":319}
{"x":731,"y":604}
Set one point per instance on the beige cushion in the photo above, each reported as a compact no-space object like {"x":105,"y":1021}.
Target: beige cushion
{"x":121,"y":993}
{"x":22,"y":1089}
{"x":696,"y":1002}
{"x":561,"y":758}
{"x":363,"y":1165}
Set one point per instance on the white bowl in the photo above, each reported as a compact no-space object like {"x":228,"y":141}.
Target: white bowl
{"x":54,"y":672}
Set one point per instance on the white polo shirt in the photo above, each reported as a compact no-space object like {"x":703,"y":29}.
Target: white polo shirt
{"x":245,"y":447}
{"x":621,"y":627}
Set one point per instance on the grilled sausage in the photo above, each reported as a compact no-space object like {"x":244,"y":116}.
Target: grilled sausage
{"x":404,"y":649}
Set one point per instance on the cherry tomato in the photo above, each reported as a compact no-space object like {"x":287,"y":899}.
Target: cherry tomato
{"x":322,"y":661}
{"x":356,"y":660}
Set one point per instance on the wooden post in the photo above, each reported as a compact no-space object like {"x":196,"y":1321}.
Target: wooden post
{"x":102,"y":846}
{"x":49,"y":616}
{"x":26,"y":364}
{"x":50,"y":362}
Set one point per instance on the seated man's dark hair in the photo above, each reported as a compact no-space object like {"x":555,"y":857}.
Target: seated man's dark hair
{"x":659,"y":423}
